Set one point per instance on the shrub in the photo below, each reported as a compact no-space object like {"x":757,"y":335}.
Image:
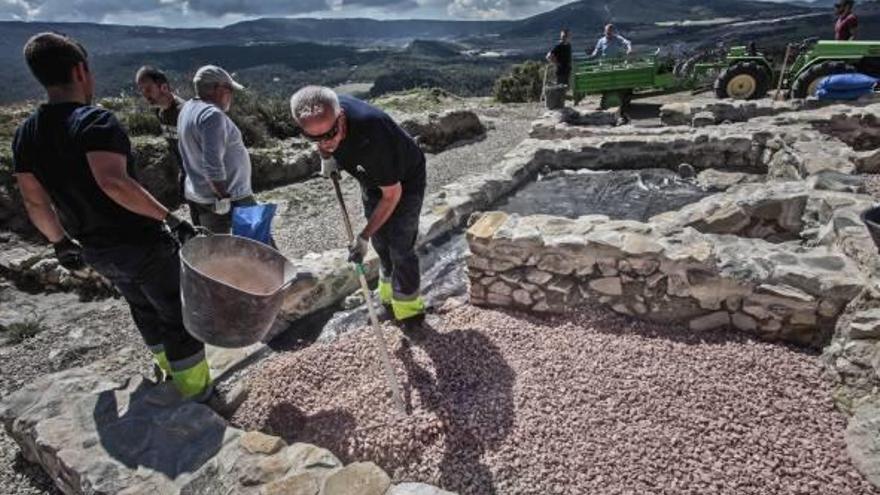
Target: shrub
{"x":523,"y":83}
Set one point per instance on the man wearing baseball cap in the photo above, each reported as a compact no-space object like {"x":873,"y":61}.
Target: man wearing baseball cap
{"x":217,"y":165}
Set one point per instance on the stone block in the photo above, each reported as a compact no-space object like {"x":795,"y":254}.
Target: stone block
{"x":556,"y":263}
{"x":500,"y":288}
{"x":644,"y":266}
{"x":744,"y":322}
{"x":609,"y":286}
{"x":486,"y":226}
{"x":711,"y":321}
{"x":622,"y":309}
{"x":255,"y":442}
{"x":865,"y":324}
{"x":561,"y":286}
{"x":298,"y":484}
{"x":359,"y":478}
{"x":538,"y":277}
{"x":522,"y":297}
{"x":498,"y":299}
{"x":416,"y":489}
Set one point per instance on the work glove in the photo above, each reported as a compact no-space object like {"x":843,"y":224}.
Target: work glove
{"x":222,"y":206}
{"x":358,"y":249}
{"x":182,"y":230}
{"x":329,"y":167}
{"x":69,"y":254}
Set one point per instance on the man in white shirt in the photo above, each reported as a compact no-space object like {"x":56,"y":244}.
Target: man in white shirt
{"x":612,"y":45}
{"x":217,"y":165}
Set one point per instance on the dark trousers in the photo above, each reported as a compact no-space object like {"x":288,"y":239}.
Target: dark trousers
{"x":563,"y":77}
{"x":204,"y":216}
{"x":395,"y":242}
{"x":148,"y":277}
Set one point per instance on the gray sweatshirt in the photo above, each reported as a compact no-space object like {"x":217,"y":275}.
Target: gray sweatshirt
{"x":212,"y":151}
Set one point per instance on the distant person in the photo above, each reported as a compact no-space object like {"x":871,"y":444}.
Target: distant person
{"x":390,"y":167}
{"x":560,"y":56}
{"x":216,"y":163}
{"x":612,"y":45}
{"x":72,"y":162}
{"x":847,"y":25}
{"x":156,"y":89}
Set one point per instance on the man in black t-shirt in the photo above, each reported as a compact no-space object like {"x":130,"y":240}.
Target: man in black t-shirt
{"x":390,"y":167}
{"x":560,"y":56}
{"x":71,"y":161}
{"x":156,"y":89}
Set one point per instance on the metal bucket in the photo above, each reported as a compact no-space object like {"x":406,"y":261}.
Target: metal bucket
{"x":871,"y":217}
{"x":232,"y":289}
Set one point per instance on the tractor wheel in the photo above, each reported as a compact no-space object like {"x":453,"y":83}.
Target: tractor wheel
{"x":807,"y":83}
{"x":742,"y":81}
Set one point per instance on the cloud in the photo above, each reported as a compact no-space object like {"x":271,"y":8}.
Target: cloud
{"x":214,"y":12}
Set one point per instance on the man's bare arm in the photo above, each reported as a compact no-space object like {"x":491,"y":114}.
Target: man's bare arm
{"x":110,"y":173}
{"x":390,"y":199}
{"x":39,"y":207}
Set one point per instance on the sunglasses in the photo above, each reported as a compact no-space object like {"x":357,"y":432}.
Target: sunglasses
{"x":325,"y":136}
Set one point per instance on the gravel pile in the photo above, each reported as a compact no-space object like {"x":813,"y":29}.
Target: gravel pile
{"x":590,"y":403}
{"x":308,"y":217}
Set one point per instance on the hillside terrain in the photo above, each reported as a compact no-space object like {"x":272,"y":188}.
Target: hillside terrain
{"x":278,"y":55}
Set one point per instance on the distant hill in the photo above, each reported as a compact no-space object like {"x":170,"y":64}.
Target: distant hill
{"x":276,"y":54}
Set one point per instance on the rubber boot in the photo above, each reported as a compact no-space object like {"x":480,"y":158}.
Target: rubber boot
{"x":193,"y":381}
{"x":161,"y":366}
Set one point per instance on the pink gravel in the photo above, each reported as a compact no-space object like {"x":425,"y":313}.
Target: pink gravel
{"x":590,"y":403}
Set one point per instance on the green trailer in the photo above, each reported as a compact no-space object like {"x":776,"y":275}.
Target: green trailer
{"x":618,"y":79}
{"x":748,"y":74}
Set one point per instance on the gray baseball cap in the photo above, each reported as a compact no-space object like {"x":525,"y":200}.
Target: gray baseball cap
{"x":211,"y":74}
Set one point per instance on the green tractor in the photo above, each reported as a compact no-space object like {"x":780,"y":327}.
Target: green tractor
{"x":747,"y":74}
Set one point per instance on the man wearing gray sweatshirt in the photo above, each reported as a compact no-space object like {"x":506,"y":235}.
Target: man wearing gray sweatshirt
{"x":217,"y":165}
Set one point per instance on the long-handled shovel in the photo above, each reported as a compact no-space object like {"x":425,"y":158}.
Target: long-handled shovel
{"x":368,"y":297}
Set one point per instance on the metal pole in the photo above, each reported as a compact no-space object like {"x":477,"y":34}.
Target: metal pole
{"x":382,"y":345}
{"x":782,"y":73}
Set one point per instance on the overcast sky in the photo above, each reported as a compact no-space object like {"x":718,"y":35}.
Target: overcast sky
{"x":192,"y":13}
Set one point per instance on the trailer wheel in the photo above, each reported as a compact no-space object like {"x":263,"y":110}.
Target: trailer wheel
{"x":742,"y":81}
{"x":807,"y":83}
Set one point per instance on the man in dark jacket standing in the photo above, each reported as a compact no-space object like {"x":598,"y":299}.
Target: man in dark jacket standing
{"x":72,"y":164}
{"x":390,"y":167}
{"x":560,"y":56}
{"x":156,"y":89}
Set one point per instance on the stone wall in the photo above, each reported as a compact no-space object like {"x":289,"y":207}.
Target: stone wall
{"x":667,"y":270}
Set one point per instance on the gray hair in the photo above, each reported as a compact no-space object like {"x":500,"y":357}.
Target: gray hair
{"x":313,"y":101}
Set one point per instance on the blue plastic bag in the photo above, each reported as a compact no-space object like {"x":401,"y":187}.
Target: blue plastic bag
{"x":847,"y":82}
{"x":254,"y":222}
{"x":850,"y":94}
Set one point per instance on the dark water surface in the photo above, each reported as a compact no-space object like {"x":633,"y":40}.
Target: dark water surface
{"x":620,"y":194}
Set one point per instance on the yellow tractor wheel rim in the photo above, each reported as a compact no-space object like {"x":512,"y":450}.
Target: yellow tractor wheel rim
{"x":742,"y":87}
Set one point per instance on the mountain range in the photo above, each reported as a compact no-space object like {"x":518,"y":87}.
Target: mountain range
{"x":270,"y":51}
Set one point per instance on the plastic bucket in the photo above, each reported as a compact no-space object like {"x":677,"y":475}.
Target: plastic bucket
{"x":871,"y":217}
{"x":232,"y":288}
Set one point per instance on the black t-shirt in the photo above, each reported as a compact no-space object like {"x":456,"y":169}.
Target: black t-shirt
{"x":52,"y":145}
{"x":562,"y":52}
{"x":168,"y":120}
{"x":376,"y":151}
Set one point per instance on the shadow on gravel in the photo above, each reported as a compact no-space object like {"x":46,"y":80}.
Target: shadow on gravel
{"x":34,"y":475}
{"x":293,"y":425}
{"x":471,"y":391}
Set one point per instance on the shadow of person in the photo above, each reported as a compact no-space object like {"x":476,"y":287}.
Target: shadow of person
{"x":325,"y":428}
{"x":151,"y":426}
{"x":471,"y":391}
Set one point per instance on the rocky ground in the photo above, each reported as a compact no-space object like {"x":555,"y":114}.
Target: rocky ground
{"x":70,"y":333}
{"x":590,"y":403}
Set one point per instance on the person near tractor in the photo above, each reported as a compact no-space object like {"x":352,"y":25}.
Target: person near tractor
{"x":72,"y":162}
{"x":390,"y":168}
{"x":216,"y":162}
{"x":612,"y":45}
{"x":560,"y":56}
{"x":847,"y":25}
{"x":156,"y":89}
